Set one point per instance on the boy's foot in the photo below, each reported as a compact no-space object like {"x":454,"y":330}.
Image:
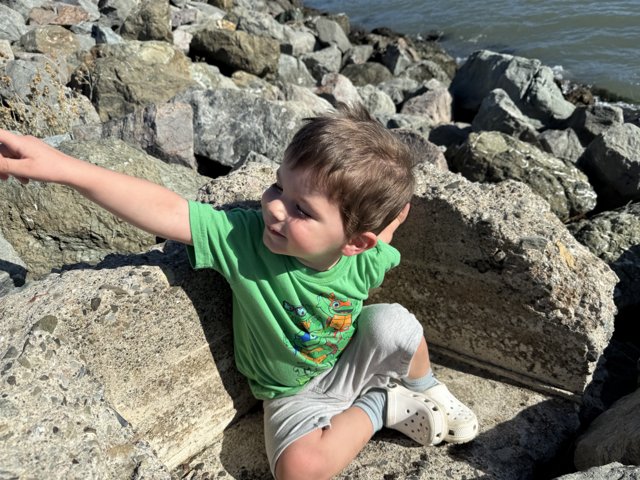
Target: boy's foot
{"x":413,"y":414}
{"x":462,"y":423}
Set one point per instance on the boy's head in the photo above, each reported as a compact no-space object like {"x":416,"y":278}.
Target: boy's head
{"x":358,"y":164}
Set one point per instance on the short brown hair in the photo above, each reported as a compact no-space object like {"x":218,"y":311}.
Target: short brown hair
{"x":358,"y":163}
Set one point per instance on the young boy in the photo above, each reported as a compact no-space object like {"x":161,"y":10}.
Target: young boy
{"x":330,"y":371}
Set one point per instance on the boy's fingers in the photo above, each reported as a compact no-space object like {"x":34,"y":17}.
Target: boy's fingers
{"x":9,"y":140}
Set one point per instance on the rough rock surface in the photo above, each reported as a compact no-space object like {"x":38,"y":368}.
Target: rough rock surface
{"x":607,"y":472}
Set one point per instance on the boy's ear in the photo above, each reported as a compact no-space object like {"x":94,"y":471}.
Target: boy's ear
{"x":360,"y":243}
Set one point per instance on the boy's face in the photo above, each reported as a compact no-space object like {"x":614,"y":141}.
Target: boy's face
{"x":301,"y":221}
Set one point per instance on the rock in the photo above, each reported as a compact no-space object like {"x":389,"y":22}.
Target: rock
{"x":321,"y":62}
{"x":527,"y":82}
{"x":338,"y":88}
{"x":607,"y":472}
{"x":367,"y":73}
{"x":103,"y":34}
{"x":526,"y":431}
{"x":149,"y":20}
{"x":400,"y":89}
{"x":418,"y":123}
{"x":434,"y":104}
{"x":209,"y":77}
{"x":614,"y":236}
{"x":116,"y":76}
{"x":358,"y":54}
{"x":52,"y":40}
{"x":425,"y":70}
{"x":38,"y":102}
{"x":562,"y":144}
{"x":114,"y":12}
{"x":376,"y":101}
{"x":330,"y":33}
{"x":590,"y":121}
{"x":423,"y":150}
{"x":6,"y":53}
{"x":612,"y":437}
{"x":260,"y":24}
{"x":58,"y":14}
{"x":397,"y":56}
{"x":114,"y":318}
{"x":23,"y":6}
{"x":298,"y":40}
{"x":612,"y":162}
{"x":57,"y":422}
{"x":494,"y":157}
{"x":315,"y":104}
{"x":12,"y":24}
{"x":164,"y":131}
{"x":450,"y":135}
{"x":232,"y":51}
{"x":293,"y":70}
{"x":255,"y":85}
{"x":229,"y":124}
{"x":499,"y":114}
{"x":496,"y":279}
{"x":51,"y":225}
{"x":13,"y":270}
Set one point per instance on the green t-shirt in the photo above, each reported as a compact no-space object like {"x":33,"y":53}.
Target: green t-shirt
{"x":290,"y":322}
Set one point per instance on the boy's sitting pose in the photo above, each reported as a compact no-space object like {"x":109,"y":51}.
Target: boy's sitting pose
{"x":330,"y":371}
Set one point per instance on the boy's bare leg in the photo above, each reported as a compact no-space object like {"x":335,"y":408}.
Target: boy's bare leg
{"x":325,"y":452}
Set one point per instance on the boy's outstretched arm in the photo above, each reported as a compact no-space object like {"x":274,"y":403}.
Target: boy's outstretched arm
{"x":146,"y":205}
{"x":386,"y":235}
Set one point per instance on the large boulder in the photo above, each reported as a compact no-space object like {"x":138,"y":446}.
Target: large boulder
{"x":606,"y":472}
{"x":494,"y":157}
{"x":236,"y":50}
{"x":13,"y":270}
{"x":527,"y":82}
{"x":116,"y":76}
{"x":495,"y":277}
{"x":612,"y":437}
{"x":149,"y":20}
{"x":612,"y":162}
{"x":229,"y":124}
{"x":614,"y":236}
{"x":52,"y":225}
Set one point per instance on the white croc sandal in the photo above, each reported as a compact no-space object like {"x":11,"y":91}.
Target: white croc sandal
{"x":414,"y":415}
{"x":462,"y":423}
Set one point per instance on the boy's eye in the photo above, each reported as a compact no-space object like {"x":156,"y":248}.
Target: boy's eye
{"x":302,"y":212}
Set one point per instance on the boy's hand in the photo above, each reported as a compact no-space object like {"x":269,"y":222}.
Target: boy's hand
{"x":148,"y":206}
{"x":386,"y":235}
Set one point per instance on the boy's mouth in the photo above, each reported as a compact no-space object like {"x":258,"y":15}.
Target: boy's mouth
{"x":275,"y":232}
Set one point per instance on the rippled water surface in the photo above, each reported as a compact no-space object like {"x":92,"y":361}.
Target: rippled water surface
{"x":593,"y":42}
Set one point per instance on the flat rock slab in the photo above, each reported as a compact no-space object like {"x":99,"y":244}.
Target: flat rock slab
{"x":520,"y":430}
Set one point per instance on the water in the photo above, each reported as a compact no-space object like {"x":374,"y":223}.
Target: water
{"x":591,"y":42}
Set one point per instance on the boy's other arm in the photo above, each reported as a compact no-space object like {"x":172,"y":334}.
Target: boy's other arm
{"x":146,"y":205}
{"x":386,"y":235}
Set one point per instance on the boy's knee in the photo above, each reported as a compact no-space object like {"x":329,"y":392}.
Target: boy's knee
{"x":388,"y":321}
{"x":299,"y":463}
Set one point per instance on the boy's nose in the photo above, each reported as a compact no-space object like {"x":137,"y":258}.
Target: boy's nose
{"x":277,"y":210}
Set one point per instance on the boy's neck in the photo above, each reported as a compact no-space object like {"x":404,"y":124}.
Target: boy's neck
{"x":322,"y":266}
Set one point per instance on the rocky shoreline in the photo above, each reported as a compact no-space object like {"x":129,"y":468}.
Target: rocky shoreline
{"x":521,"y":256}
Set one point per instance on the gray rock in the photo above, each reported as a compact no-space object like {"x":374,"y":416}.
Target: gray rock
{"x":330,"y":33}
{"x":315,"y":104}
{"x":358,"y":54}
{"x":12,"y":24}
{"x":299,"y":40}
{"x":254,"y":85}
{"x":591,"y":121}
{"x":114,"y":12}
{"x":399,"y":88}
{"x":164,"y":131}
{"x":57,"y":422}
{"x":450,"y":135}
{"x":13,"y":270}
{"x":149,"y":20}
{"x":116,"y":76}
{"x":612,"y":437}
{"x":237,"y":50}
{"x":209,"y":77}
{"x":495,"y":157}
{"x":104,"y":34}
{"x":612,"y":162}
{"x":6,"y":53}
{"x":367,"y":73}
{"x":261,"y":24}
{"x":562,"y":144}
{"x":229,"y":124}
{"x":321,"y":62}
{"x":376,"y":101}
{"x":425,"y":70}
{"x":58,"y":13}
{"x":51,"y":225}
{"x":37,"y":100}
{"x":527,"y":82}
{"x":498,"y":113}
{"x":422,"y":149}
{"x":397,"y":56}
{"x":496,"y":279}
{"x":293,"y":70}
{"x":23,"y":6}
{"x":338,"y":88}
{"x":614,"y":236}
{"x":418,"y":123}
{"x":435,"y":104}
{"x":606,"y":472}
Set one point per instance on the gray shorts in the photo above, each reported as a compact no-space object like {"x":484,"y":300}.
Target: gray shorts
{"x":388,"y":336}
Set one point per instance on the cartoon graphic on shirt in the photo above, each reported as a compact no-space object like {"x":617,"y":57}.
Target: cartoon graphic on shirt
{"x":314,"y":341}
{"x":338,"y":312}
